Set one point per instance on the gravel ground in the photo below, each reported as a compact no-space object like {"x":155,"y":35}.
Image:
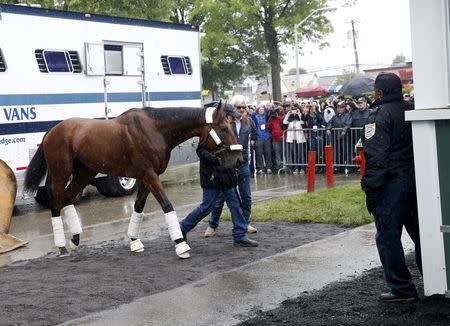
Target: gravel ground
{"x":356,"y":302}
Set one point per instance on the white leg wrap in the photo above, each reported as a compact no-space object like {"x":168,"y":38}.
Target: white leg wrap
{"x":136,"y":246}
{"x":72,"y":219}
{"x":182,"y":250}
{"x":173,"y":225}
{"x":135,"y":225}
{"x":58,"y":232}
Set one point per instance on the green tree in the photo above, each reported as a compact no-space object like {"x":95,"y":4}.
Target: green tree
{"x":180,"y":12}
{"x":344,"y":77}
{"x":144,"y":9}
{"x":399,"y":58}
{"x":256,"y":28}
{"x":224,"y":58}
{"x":293,"y":71}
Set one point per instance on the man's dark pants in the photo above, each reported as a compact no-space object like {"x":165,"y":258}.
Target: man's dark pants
{"x":263,"y":154}
{"x":245,"y":197}
{"x":393,"y":206}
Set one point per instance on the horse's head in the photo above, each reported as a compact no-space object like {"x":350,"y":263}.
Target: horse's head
{"x":220,"y":138}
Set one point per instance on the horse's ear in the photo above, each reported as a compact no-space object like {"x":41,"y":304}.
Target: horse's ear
{"x":220,"y":108}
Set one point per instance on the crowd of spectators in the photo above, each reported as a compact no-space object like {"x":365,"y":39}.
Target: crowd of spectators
{"x":287,"y":130}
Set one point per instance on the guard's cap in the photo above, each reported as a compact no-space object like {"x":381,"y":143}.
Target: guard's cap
{"x":388,"y":82}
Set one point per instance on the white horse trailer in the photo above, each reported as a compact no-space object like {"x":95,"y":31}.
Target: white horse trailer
{"x":56,"y":64}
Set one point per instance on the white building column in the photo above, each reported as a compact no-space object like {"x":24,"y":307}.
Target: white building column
{"x":430,"y":54}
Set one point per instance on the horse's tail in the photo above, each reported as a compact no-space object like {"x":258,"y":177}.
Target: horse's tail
{"x":36,"y":170}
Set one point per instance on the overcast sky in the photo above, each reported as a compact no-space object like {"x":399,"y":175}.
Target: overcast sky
{"x":383,"y":32}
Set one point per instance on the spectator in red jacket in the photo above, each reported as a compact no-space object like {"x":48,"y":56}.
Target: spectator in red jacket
{"x":275,"y":125}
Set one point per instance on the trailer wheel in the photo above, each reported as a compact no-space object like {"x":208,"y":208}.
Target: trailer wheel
{"x":112,"y":186}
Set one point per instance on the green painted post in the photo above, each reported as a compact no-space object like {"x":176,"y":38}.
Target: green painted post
{"x":443,"y":153}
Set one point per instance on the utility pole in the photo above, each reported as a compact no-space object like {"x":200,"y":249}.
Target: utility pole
{"x":354,"y":45}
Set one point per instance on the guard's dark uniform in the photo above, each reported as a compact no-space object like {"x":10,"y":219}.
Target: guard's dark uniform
{"x":389,"y":183}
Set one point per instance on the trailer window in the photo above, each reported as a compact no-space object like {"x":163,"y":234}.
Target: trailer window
{"x":113,"y":59}
{"x":50,"y":61}
{"x":2,"y":62}
{"x":176,"y":65}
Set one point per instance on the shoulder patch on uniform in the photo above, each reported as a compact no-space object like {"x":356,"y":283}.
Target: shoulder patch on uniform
{"x":369,"y":130}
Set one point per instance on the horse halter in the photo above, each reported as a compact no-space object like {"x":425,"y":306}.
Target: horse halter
{"x":209,"y":120}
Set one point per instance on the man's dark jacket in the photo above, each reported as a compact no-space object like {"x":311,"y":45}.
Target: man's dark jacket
{"x":212,"y":175}
{"x":359,"y":117}
{"x":387,"y":141}
{"x":314,"y":119}
{"x":343,"y":120}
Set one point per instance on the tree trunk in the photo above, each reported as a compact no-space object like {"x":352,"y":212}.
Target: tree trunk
{"x":276,"y":81}
{"x":271,"y":38}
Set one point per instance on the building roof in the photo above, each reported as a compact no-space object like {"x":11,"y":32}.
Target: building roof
{"x":388,"y":68}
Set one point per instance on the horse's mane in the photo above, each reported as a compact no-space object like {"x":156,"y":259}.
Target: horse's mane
{"x":171,"y":113}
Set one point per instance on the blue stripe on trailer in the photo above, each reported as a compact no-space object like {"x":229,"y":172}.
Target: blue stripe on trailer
{"x":27,"y":127}
{"x":77,"y":98}
{"x":33,"y":11}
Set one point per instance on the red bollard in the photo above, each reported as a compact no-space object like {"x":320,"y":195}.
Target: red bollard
{"x":329,"y":165}
{"x":362,"y":166}
{"x":311,"y":171}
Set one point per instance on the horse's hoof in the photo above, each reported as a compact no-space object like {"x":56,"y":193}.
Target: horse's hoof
{"x":136,"y":246}
{"x":182,"y":249}
{"x":72,"y":245}
{"x":63,"y":252}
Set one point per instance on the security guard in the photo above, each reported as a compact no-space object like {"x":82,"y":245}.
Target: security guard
{"x":389,"y":184}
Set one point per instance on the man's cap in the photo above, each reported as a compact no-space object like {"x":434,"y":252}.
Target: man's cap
{"x":341,"y":104}
{"x":229,"y":110}
{"x":388,"y":82}
{"x":362,"y":100}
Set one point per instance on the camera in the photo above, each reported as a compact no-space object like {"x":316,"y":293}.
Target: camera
{"x":273,"y":113}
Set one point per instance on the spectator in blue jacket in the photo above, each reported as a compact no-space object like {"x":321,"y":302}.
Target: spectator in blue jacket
{"x":263,"y":148}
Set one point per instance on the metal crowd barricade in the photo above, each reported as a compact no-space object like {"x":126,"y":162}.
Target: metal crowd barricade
{"x":295,"y":155}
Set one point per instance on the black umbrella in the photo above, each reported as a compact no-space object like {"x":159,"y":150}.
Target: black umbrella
{"x":357,"y":86}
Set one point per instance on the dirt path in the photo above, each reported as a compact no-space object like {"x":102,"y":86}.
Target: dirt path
{"x":48,"y":291}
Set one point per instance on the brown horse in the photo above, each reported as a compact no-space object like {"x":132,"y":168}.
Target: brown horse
{"x":136,"y":144}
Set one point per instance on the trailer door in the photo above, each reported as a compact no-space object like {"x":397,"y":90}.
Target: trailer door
{"x":95,"y":59}
{"x":124,"y":76}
